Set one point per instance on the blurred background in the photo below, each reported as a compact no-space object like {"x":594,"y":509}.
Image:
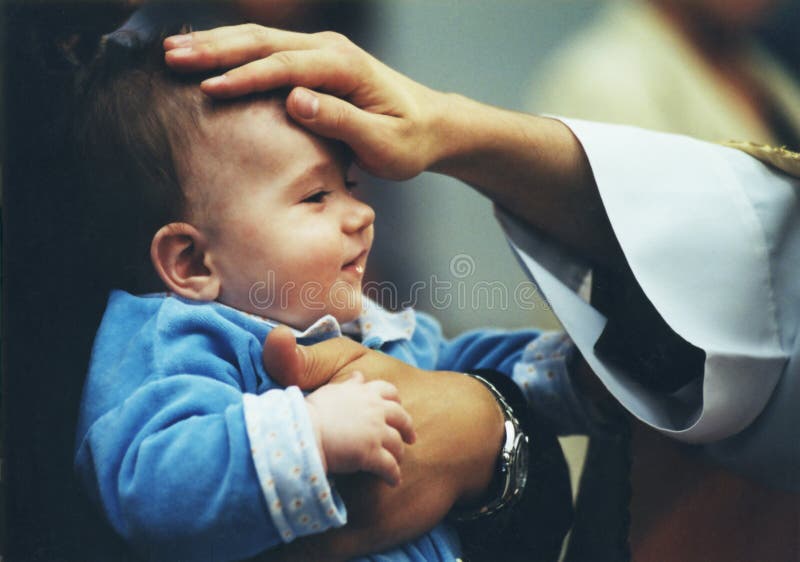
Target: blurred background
{"x":716,"y":69}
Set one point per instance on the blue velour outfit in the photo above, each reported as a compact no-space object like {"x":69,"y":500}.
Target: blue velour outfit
{"x":192,"y":451}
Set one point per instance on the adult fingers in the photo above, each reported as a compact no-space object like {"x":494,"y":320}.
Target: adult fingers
{"x":378,"y":138}
{"x":232,"y":45}
{"x":332,"y":117}
{"x":398,"y":418}
{"x":327,"y":69}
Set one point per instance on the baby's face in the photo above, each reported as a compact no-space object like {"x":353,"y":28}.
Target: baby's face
{"x":285,"y":235}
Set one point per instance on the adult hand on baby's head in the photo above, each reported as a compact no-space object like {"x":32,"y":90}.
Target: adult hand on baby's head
{"x":388,"y":120}
{"x":361,"y":426}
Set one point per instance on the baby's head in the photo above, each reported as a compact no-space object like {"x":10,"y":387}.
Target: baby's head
{"x":218,"y":201}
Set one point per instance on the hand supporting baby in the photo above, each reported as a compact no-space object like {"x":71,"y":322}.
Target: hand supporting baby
{"x":442,"y":468}
{"x":360,"y":426}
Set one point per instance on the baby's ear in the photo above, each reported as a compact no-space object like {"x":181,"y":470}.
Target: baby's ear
{"x":178,"y":252}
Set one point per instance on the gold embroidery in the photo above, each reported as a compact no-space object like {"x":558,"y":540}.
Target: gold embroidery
{"x":781,"y":158}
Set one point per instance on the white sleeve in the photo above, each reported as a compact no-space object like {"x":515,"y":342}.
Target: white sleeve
{"x":712,"y":237}
{"x":300,"y":498}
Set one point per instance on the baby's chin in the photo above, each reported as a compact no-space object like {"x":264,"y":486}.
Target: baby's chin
{"x":345,"y":309}
{"x":304,"y":319}
{"x":350,"y":313}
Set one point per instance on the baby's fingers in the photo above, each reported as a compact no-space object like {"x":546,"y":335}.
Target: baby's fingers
{"x":385,"y":466}
{"x":385,"y":390}
{"x":356,"y":377}
{"x":400,"y":419}
{"x":393,"y":442}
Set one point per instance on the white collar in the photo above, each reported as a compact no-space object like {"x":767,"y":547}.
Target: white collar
{"x":375,"y":326}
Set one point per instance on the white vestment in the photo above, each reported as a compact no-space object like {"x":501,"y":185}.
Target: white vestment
{"x":712,"y":236}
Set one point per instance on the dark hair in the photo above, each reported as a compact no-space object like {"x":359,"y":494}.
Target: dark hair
{"x":133,"y":119}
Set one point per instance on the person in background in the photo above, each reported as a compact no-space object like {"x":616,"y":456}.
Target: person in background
{"x":689,"y":67}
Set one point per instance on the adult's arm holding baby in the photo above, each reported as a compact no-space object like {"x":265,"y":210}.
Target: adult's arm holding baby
{"x":459,"y":430}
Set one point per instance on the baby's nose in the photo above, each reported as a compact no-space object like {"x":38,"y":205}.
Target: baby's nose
{"x":359,"y":216}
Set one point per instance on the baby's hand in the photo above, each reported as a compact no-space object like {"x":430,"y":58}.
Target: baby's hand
{"x":361,"y":426}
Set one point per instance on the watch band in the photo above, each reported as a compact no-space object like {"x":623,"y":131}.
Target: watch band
{"x":534,"y":527}
{"x":512,"y":465}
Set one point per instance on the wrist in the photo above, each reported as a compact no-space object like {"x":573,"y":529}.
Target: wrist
{"x":455,"y":132}
{"x":313,"y":415}
{"x":488,"y":430}
{"x":542,"y":510}
{"x":495,"y":150}
{"x":510,"y":469}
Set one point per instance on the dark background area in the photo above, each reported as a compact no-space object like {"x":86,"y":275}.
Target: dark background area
{"x":52,"y":296}
{"x":53,"y":292}
{"x":51,"y":302}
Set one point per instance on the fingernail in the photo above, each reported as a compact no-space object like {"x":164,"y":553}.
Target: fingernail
{"x":306,"y":104}
{"x":179,"y":40}
{"x":182,"y":52}
{"x":212,"y":82}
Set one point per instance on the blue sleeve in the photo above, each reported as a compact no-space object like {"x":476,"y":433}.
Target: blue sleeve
{"x":171,"y":470}
{"x":179,"y":467}
{"x":538,"y":362}
{"x":478,"y":349}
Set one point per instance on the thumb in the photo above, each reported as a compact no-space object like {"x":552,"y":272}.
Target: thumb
{"x":281,"y":356}
{"x":307,"y":366}
{"x":334,"y":118}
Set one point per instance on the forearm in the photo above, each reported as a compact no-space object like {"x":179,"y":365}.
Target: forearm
{"x":459,"y":432}
{"x":531,"y":166}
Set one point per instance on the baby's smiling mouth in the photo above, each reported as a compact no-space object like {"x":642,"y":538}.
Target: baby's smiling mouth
{"x":356,"y":265}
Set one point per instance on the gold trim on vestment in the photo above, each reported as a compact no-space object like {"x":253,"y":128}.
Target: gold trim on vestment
{"x":781,"y":158}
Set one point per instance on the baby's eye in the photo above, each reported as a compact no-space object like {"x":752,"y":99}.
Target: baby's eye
{"x":317,"y":197}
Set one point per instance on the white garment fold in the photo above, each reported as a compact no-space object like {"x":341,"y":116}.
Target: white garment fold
{"x":713,"y":238}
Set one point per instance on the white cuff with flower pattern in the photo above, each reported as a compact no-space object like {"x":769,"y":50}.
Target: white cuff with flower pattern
{"x":300,"y":499}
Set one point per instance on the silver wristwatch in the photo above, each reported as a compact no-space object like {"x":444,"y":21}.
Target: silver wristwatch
{"x":512,"y":466}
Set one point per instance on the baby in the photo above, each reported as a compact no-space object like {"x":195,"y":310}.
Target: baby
{"x":187,"y":445}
